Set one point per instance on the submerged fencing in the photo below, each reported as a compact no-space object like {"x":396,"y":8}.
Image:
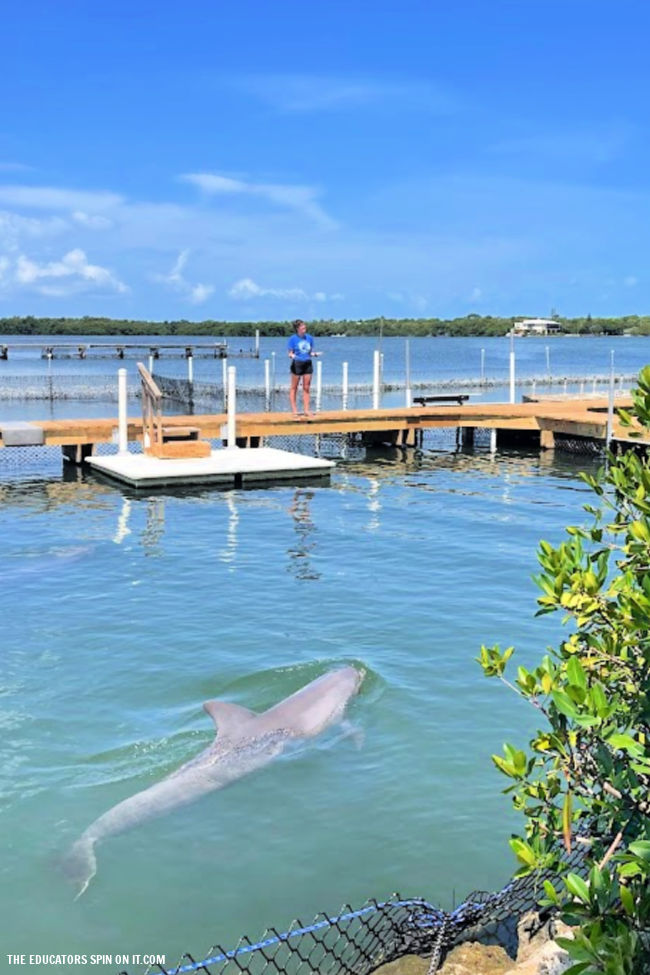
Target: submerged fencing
{"x":355,"y":942}
{"x":95,"y":386}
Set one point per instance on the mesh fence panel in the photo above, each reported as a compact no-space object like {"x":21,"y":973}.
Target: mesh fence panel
{"x":355,"y":942}
{"x":578,"y":445}
{"x":55,"y":387}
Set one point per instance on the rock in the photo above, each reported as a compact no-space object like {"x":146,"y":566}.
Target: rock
{"x":473,"y":958}
{"x":538,"y":953}
{"x":407,"y":965}
{"x":550,"y":959}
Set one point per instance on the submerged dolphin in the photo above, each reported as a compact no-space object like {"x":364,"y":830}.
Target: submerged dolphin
{"x":246,"y":741}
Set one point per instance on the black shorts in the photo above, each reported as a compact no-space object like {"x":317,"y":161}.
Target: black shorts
{"x":300,"y":368}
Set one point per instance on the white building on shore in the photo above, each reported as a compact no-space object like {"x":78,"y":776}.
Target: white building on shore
{"x":536,"y":326}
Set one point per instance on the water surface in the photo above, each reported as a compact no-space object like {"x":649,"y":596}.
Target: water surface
{"x":122,"y":613}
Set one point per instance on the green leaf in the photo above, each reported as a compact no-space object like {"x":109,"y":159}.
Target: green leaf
{"x":564,"y":704}
{"x":625,"y":743}
{"x":641,"y":849}
{"x":575,"y":673}
{"x":551,"y":892}
{"x":627,"y":900}
{"x":629,"y":870}
{"x":523,"y":851}
{"x":577,"y":887}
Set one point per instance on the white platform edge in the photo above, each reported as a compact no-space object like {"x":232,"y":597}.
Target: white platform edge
{"x":229,"y":465}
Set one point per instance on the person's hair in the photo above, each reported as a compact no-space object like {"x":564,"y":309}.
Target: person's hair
{"x":298,"y":322}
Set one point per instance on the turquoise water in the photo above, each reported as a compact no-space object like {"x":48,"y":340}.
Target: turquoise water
{"x":122,"y":614}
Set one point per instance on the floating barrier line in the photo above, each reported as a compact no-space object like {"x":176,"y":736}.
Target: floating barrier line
{"x":378,"y":932}
{"x":430,"y":917}
{"x":298,"y":932}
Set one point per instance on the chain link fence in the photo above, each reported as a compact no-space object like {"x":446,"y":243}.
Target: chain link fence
{"x":356,"y":942}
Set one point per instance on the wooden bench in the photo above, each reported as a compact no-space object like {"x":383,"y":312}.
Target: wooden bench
{"x":459,"y":398}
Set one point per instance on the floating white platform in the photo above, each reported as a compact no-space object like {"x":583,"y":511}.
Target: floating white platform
{"x":233,"y":466}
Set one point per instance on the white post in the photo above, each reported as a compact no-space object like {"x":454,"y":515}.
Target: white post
{"x":122,"y":437}
{"x":151,"y":365}
{"x":224,"y":380}
{"x":548,"y":360}
{"x":319,"y":384}
{"x":267,"y":384}
{"x":232,"y":404}
{"x":376,"y":370}
{"x":610,"y":404}
{"x":512,"y":368}
{"x":257,"y":342}
{"x":408,"y":395}
{"x":493,"y":440}
{"x":190,"y":368}
{"x":344,"y":386}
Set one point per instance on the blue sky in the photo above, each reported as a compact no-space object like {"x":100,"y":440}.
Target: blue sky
{"x":275,"y":159}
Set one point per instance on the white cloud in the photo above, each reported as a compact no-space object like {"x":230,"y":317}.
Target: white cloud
{"x":313,"y":93}
{"x":69,"y":275}
{"x":200,"y":293}
{"x":195,"y":293}
{"x":302,"y":199}
{"x":53,"y":198}
{"x":92,"y":221}
{"x":246,"y":289}
{"x":593,"y":144}
{"x":630,"y":281}
{"x":14,"y":226}
{"x":414,"y":302}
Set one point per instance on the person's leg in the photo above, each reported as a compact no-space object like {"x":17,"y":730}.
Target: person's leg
{"x":306,"y":383}
{"x":293,"y":388}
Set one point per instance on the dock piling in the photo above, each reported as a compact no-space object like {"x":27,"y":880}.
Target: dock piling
{"x":319,"y":384}
{"x":122,"y":438}
{"x":376,"y":370}
{"x":232,"y":407}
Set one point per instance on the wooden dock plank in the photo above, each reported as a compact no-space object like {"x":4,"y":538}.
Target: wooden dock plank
{"x":587,"y":418}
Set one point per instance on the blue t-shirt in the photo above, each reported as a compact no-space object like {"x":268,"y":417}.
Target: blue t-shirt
{"x":301,"y":346}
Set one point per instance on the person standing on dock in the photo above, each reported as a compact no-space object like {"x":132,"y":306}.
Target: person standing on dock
{"x":301,"y":352}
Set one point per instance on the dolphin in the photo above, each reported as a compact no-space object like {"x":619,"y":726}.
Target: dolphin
{"x":245,"y":741}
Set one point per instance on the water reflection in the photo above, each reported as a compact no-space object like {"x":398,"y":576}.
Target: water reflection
{"x":123,"y":531}
{"x":46,"y":494}
{"x":154,"y":528}
{"x":300,"y":555}
{"x":374,"y":503}
{"x":229,"y":551}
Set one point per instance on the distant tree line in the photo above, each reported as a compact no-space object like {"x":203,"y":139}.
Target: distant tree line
{"x":467,"y":325}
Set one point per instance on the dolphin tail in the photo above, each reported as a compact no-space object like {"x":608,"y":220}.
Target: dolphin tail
{"x":80,"y":865}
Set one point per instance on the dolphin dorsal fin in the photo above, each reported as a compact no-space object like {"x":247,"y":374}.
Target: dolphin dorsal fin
{"x":228,"y":718}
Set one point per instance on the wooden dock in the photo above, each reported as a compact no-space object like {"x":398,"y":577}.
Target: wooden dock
{"x":538,"y":423}
{"x":124,"y":350}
